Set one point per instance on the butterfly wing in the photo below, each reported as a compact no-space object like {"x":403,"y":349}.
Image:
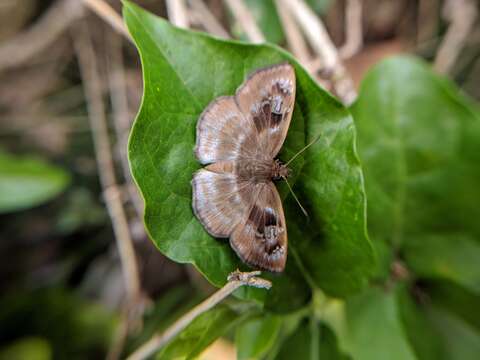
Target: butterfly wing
{"x":252,"y":124}
{"x":260,"y":239}
{"x":224,"y":133}
{"x":220,"y":201}
{"x":267,"y":99}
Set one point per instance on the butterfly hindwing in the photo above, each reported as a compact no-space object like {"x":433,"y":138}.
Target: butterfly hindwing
{"x":220,"y":201}
{"x":260,"y":239}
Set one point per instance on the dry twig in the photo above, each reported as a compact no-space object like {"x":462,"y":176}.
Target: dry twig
{"x":98,"y":123}
{"x":121,"y":113}
{"x":462,"y":15}
{"x":427,"y":25}
{"x":353,"y":29}
{"x":177,"y":13}
{"x":246,"y":20}
{"x":108,"y":14}
{"x":322,"y":44}
{"x":202,"y":14}
{"x":39,"y":36}
{"x":295,"y":39}
{"x":235,"y":280}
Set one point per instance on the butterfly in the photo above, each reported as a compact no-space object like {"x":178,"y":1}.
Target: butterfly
{"x":238,"y":139}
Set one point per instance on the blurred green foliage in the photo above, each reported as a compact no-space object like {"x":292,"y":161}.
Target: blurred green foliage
{"x":418,"y":138}
{"x":27,"y":181}
{"x":72,"y":327}
{"x":419,"y":144}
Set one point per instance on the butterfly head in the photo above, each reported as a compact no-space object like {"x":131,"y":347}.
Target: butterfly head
{"x":280,"y":170}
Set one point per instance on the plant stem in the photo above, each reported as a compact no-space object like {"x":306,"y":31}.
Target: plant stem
{"x":109,"y":15}
{"x":48,"y":28}
{"x":316,"y":33}
{"x":245,"y":18}
{"x":98,"y":122}
{"x":236,"y":280}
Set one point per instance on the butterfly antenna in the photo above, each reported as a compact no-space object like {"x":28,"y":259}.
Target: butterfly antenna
{"x":301,"y":151}
{"x":296,"y":199}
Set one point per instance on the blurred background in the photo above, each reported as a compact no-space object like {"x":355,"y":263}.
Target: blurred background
{"x":77,"y":270}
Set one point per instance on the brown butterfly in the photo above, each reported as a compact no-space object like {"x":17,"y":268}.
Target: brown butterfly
{"x":239,"y":137}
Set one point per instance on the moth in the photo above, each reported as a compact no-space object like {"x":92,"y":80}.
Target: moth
{"x":238,"y":139}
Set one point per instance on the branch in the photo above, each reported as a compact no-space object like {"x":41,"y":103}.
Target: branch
{"x":295,"y":39}
{"x":353,"y":29}
{"x":177,"y":13}
{"x":121,"y":113}
{"x":108,"y":14}
{"x":427,"y":29}
{"x":202,"y":14}
{"x":246,"y":20}
{"x":462,"y":14}
{"x":322,"y":44}
{"x":39,"y":36}
{"x":236,"y":280}
{"x":98,"y":123}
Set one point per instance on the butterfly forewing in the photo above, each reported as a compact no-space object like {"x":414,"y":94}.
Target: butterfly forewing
{"x":239,"y":136}
{"x":224,"y":133}
{"x":267,"y":99}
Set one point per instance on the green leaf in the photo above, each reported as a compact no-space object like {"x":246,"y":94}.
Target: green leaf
{"x":310,"y":341}
{"x":74,"y":328}
{"x":455,"y":299}
{"x":32,"y":348}
{"x":183,"y":72}
{"x":422,"y":336}
{"x":26,"y":182}
{"x":460,"y":340}
{"x":454,"y":258}
{"x":255,"y":337}
{"x":445,"y":327}
{"x":81,"y":210}
{"x":419,"y":142}
{"x":289,"y":324}
{"x":171,"y":306}
{"x":373,"y":328}
{"x":200,"y":333}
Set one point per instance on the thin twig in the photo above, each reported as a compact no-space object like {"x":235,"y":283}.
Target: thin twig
{"x":246,"y":20}
{"x":202,"y":14}
{"x":314,"y":31}
{"x":119,"y":338}
{"x":177,"y":13}
{"x":462,"y":15}
{"x":98,"y":123}
{"x":39,"y":36}
{"x":235,"y":280}
{"x":322,"y":44}
{"x":121,"y":113}
{"x":107,"y":13}
{"x":427,"y":21}
{"x":353,"y":29}
{"x":295,"y":39}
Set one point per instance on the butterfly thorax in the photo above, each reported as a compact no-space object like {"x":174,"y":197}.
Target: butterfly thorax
{"x":279,"y":170}
{"x":260,"y":170}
